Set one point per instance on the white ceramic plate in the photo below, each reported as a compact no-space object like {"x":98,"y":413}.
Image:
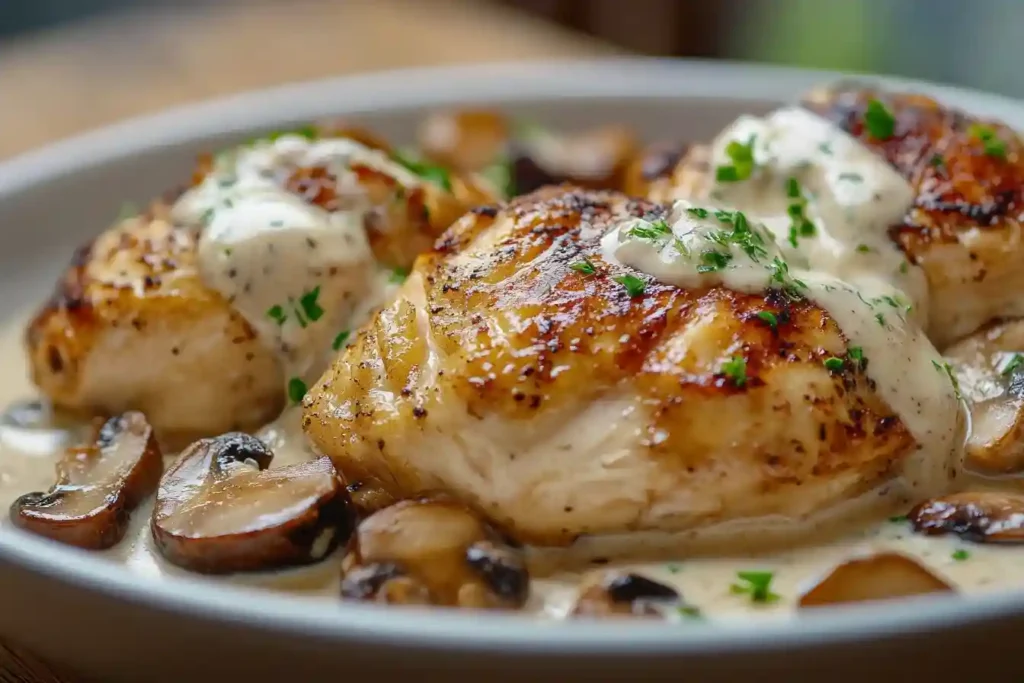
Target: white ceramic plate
{"x":105,"y":621}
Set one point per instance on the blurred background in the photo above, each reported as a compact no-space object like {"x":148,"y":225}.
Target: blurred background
{"x":70,"y":65}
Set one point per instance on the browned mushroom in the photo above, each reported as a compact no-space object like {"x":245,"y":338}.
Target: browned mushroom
{"x":980,"y":516}
{"x":468,"y":140}
{"x":433,"y":552}
{"x":219,"y":509}
{"x":596,"y":158}
{"x":614,"y":593}
{"x":97,"y":486}
{"x":989,"y":366}
{"x":653,"y":166}
{"x":879,"y":577}
{"x":368,"y":497}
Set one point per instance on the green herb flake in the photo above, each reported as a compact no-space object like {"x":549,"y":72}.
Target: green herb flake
{"x":585,"y":266}
{"x":960,"y":555}
{"x":398,"y":276}
{"x":793,"y":188}
{"x":697,"y":212}
{"x":770,"y":319}
{"x":825,"y":148}
{"x":736,"y":370}
{"x":713,"y":261}
{"x":207,"y":216}
{"x":946,"y":368}
{"x":1015,"y":362}
{"x":742,"y":157}
{"x":898,"y":519}
{"x":834,"y":364}
{"x":652,"y":231}
{"x":277,"y":314}
{"x":296,"y":390}
{"x":501,"y":176}
{"x":634,"y":285}
{"x":864,"y":249}
{"x":340,"y":340}
{"x":904,"y":268}
{"x":851,"y":177}
{"x":856,"y":354}
{"x":674,"y":568}
{"x":879,"y":121}
{"x":880,"y":318}
{"x":992,"y":144}
{"x":690,"y":612}
{"x":756,"y":584}
{"x":310,"y":306}
{"x":432,"y":173}
{"x":937,"y":160}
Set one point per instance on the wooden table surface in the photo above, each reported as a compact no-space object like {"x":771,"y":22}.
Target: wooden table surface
{"x":72,"y":79}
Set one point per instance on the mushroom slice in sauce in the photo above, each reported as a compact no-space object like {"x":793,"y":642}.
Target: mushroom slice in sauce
{"x":469,"y":140}
{"x":990,"y":369}
{"x":433,"y":552}
{"x":368,"y":498}
{"x":97,"y":486}
{"x":981,"y":516}
{"x":614,"y":593}
{"x":879,"y":577}
{"x":219,"y":509}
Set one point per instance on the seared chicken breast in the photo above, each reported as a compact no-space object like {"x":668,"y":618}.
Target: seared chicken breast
{"x":522,"y":373}
{"x":964,"y":229}
{"x":136,"y":323}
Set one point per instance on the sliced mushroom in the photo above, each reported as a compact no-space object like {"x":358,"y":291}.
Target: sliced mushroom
{"x":596,"y":158}
{"x":219,"y":509}
{"x":980,"y":516}
{"x":97,"y":486}
{"x":468,"y":140}
{"x":433,"y":552}
{"x":368,"y":497}
{"x":654,"y":166}
{"x":879,"y":577}
{"x":614,"y":593}
{"x":989,"y":366}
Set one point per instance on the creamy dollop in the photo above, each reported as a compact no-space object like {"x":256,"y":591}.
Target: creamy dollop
{"x":800,"y":206}
{"x":299,"y":273}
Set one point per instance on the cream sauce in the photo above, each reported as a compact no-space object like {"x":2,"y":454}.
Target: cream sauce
{"x":297,"y":272}
{"x":806,"y":209}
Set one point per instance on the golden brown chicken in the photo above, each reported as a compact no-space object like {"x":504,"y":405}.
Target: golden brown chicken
{"x":524,"y":374}
{"x":136,"y":323}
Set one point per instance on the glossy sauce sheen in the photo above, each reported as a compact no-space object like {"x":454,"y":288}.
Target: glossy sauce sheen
{"x":256,"y":251}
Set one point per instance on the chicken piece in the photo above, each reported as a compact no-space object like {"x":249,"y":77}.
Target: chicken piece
{"x":965,"y":227}
{"x":546,"y":396}
{"x":136,"y":324}
{"x":132,"y":327}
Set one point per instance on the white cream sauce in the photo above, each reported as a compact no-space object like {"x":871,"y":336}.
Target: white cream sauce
{"x":809,"y":215}
{"x":296,"y":271}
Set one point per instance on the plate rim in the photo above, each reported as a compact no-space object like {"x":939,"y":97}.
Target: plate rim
{"x":499,"y":83}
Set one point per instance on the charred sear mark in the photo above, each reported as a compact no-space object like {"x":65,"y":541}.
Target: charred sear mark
{"x":982,"y":517}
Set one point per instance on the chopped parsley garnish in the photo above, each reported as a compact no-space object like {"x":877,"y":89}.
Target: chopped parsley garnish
{"x":904,"y":267}
{"x":864,"y":249}
{"x":898,"y":519}
{"x":856,"y":354}
{"x":834,"y":364}
{"x":690,"y":612}
{"x":799,"y":225}
{"x":790,"y":286}
{"x":398,"y":276}
{"x":650,"y":231}
{"x":206,"y":216}
{"x":755,"y":584}
{"x":585,"y":266}
{"x":960,"y":555}
{"x":948,"y":369}
{"x":310,"y":306}
{"x":426,"y":170}
{"x":296,"y":390}
{"x":992,"y":144}
{"x":674,"y":568}
{"x":879,"y":120}
{"x":736,"y":370}
{"x":340,"y":340}
{"x":634,"y":285}
{"x":769,"y":318}
{"x":1016,"y":361}
{"x":742,"y":157}
{"x":851,"y":177}
{"x":713,"y":261}
{"x":938,"y":161}
{"x":277,"y":314}
{"x":698,"y":212}
{"x":880,"y":318}
{"x":825,"y":148}
{"x":724,"y":216}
